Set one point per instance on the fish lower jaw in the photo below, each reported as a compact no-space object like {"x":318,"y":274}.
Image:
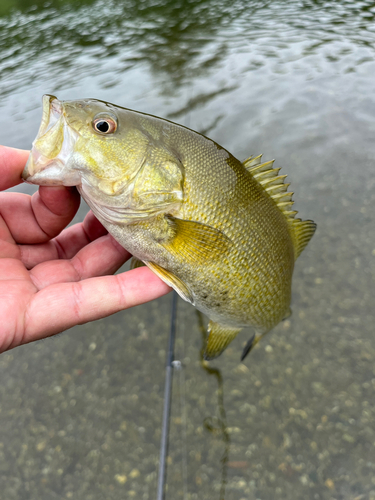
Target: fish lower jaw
{"x":45,"y":171}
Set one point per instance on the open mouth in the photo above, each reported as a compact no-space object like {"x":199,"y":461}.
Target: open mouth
{"x":52,"y":148}
{"x":52,"y":112}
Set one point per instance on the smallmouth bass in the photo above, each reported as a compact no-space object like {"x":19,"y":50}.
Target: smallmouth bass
{"x":220,"y":232}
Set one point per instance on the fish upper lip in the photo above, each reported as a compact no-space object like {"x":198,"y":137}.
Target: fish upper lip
{"x":47,"y":101}
{"x":56,"y":106}
{"x":53,"y":110}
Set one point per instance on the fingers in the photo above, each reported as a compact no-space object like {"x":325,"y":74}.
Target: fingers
{"x":37,"y":219}
{"x":54,"y":208}
{"x":61,"y":306}
{"x":12,"y":162}
{"x":101,"y":257}
{"x":92,"y":227}
{"x":60,"y":201}
{"x":66,"y":244}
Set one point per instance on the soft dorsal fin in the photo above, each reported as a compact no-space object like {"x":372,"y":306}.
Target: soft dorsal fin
{"x":302,"y":232}
{"x":273,"y":183}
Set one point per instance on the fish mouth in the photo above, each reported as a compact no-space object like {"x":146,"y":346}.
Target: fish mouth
{"x":52,"y":148}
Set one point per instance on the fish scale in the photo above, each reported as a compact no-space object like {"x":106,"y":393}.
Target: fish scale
{"x":220,"y":232}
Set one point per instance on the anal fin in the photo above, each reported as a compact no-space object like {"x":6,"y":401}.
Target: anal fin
{"x":219,"y":338}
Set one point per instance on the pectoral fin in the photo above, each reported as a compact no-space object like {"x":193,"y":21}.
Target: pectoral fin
{"x":219,"y":338}
{"x":134,"y":263}
{"x":196,"y":242}
{"x":172,"y":281}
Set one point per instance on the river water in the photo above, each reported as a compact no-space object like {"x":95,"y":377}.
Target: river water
{"x":81,"y":413}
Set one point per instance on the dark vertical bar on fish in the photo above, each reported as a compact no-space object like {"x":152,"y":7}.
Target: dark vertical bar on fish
{"x":167,"y":403}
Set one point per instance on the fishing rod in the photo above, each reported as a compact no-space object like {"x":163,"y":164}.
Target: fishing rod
{"x":167,"y":402}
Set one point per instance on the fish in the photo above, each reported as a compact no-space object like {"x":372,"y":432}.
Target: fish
{"x":222,"y":233}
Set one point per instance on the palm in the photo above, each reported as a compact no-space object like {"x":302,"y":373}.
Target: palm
{"x":51,"y":280}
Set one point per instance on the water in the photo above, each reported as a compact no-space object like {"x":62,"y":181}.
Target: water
{"x":81,"y":413}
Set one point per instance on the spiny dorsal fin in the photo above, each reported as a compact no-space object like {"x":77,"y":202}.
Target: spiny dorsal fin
{"x":273,"y":183}
{"x":252,"y":161}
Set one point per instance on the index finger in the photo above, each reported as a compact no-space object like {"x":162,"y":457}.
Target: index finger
{"x":12,"y":162}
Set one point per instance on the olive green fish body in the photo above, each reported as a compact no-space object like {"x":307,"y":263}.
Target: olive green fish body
{"x":219,"y":231}
{"x":248,"y":282}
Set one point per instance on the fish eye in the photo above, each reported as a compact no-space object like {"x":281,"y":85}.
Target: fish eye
{"x":104,"y":125}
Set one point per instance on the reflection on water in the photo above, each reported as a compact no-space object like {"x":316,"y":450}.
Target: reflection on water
{"x":81,"y":413}
{"x":219,"y":424}
{"x":192,"y":52}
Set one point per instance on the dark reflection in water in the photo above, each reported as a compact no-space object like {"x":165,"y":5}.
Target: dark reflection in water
{"x":216,"y":425}
{"x":173,"y":58}
{"x":168,"y":36}
{"x":180,"y":39}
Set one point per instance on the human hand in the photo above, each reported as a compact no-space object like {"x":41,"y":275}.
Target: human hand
{"x":53,"y":278}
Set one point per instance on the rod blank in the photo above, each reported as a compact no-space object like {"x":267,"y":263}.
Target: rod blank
{"x":167,"y":403}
